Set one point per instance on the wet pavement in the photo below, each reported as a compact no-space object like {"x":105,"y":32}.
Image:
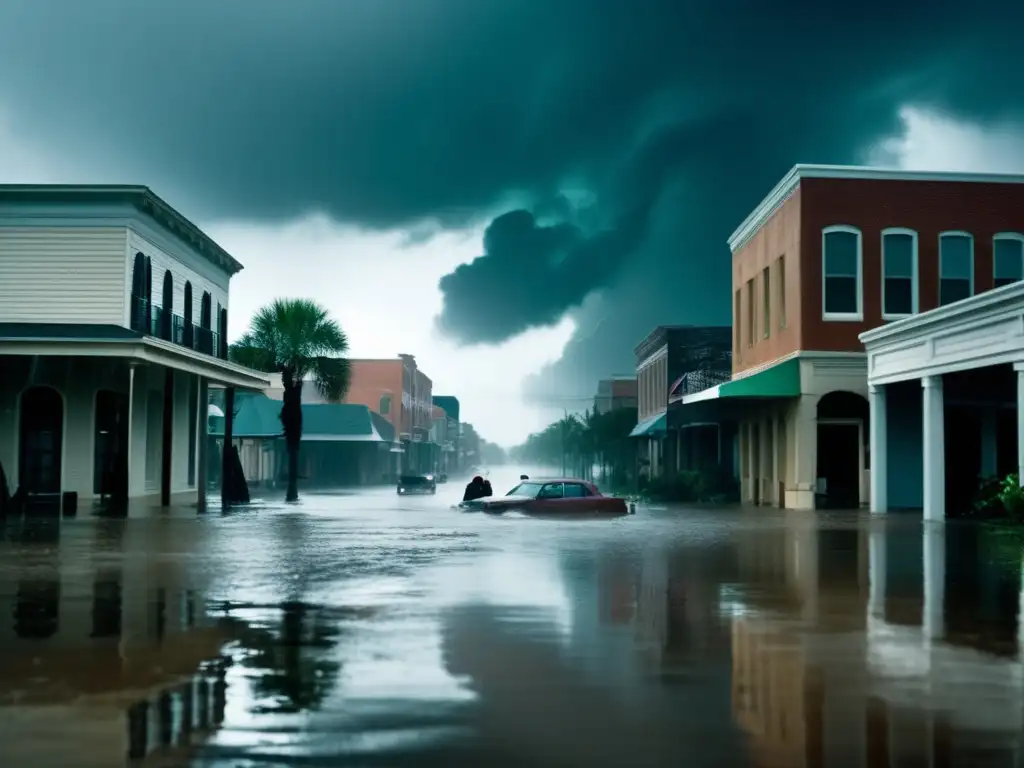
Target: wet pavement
{"x":366,"y":630}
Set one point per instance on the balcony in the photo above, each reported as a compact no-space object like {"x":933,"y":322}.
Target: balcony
{"x":152,"y":320}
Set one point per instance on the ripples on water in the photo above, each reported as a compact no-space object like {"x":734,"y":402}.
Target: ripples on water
{"x":371,"y":630}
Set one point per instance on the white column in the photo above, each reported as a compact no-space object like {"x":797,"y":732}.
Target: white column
{"x":934,"y":546}
{"x":1020,"y":422}
{"x":934,"y":440}
{"x":805,"y":453}
{"x":132,"y":447}
{"x":879,"y":449}
{"x":988,"y":442}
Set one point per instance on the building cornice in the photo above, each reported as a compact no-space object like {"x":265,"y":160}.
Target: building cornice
{"x":789,"y":183}
{"x":141,"y":198}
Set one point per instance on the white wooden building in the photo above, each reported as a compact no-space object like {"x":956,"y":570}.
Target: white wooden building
{"x":982,"y":332}
{"x":113,"y":320}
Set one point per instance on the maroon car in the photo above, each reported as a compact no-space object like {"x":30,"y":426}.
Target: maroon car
{"x":557,"y":496}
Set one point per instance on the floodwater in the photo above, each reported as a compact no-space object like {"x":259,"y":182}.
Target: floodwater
{"x":366,"y":630}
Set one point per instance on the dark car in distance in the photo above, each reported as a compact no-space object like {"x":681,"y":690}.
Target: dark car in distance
{"x":554,"y":496}
{"x":409,"y":485}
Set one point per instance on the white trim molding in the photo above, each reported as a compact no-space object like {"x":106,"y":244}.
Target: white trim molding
{"x":970,"y":239}
{"x":782,"y":191}
{"x":1013,"y":237}
{"x":144,"y":350}
{"x":857,"y":316}
{"x":984,"y":330}
{"x":914,"y":273}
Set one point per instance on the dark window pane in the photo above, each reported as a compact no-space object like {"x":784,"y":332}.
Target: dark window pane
{"x":899,"y":255}
{"x":1001,"y":281}
{"x":1009,"y":260}
{"x":575,"y":491}
{"x":955,"y":257}
{"x":899,"y":296}
{"x":841,"y":254}
{"x":841,"y":295}
{"x":953,"y":290}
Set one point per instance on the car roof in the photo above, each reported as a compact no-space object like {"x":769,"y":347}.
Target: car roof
{"x":556,"y":480}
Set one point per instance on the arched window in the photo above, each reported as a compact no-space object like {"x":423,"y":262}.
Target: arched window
{"x":222,"y":330}
{"x":41,"y":440}
{"x":899,"y":272}
{"x":385,"y":405}
{"x":167,"y":306}
{"x":148,"y":289}
{"x":189,"y":336}
{"x":842,"y":296}
{"x":138,"y":297}
{"x":956,"y":266}
{"x":1007,"y":258}
{"x":205,"y":337}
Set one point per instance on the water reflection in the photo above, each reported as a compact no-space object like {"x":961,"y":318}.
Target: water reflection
{"x":104,"y":657}
{"x":925,"y":673}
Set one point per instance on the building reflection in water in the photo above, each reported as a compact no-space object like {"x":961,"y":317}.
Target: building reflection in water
{"x":106,"y":655}
{"x":913,"y":659}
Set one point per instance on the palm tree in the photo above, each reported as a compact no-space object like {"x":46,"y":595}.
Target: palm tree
{"x":296,"y":338}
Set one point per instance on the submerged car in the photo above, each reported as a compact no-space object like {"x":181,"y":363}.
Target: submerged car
{"x":559,"y":496}
{"x":413,"y":484}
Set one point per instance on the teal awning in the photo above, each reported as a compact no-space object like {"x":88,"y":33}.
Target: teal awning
{"x":655,"y":425}
{"x":781,"y":380}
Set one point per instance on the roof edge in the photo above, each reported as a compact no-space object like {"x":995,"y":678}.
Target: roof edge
{"x":143,"y":199}
{"x":788,"y":184}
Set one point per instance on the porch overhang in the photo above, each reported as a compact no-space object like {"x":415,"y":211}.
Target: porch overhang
{"x":69,"y":340}
{"x":976,"y":332}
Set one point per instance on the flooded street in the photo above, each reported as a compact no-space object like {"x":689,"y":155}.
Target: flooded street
{"x":369,"y":630}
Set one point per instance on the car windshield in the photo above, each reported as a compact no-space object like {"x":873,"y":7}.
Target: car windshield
{"x":413,"y":480}
{"x":526,"y":489}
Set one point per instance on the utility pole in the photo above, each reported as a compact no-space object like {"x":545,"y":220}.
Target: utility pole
{"x":565,"y":424}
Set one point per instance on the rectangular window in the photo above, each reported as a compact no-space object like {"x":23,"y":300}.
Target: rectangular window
{"x":956,"y":267}
{"x":766,"y":310}
{"x":750,"y":312}
{"x":780,"y":279}
{"x":1008,"y":259}
{"x":841,"y":254}
{"x":737,"y":323}
{"x":899,"y":276}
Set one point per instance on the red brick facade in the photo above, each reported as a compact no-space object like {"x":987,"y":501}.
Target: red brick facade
{"x":788,"y":243}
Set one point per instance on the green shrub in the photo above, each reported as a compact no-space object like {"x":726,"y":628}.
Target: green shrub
{"x":1012,"y":497}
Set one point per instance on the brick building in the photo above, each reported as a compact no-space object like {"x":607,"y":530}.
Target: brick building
{"x":829,"y":254}
{"x":400,"y":392}
{"x":617,"y":392}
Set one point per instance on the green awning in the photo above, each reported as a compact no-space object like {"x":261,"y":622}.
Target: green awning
{"x":649,"y":427}
{"x":781,"y":380}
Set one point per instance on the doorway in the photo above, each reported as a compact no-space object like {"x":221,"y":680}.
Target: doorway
{"x":41,"y":439}
{"x":839,"y":464}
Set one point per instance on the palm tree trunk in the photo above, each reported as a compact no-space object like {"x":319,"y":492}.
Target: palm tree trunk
{"x":293,"y":474}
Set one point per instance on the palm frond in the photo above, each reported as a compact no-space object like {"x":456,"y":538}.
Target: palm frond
{"x":332,"y":375}
{"x":250,"y":353}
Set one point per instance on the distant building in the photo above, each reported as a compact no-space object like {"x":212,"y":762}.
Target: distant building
{"x":617,"y":392}
{"x":452,"y":446}
{"x":668,"y":360}
{"x":342,"y":444}
{"x":400,"y":392}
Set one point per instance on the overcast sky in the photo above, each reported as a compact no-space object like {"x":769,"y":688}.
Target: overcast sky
{"x":515,"y":191}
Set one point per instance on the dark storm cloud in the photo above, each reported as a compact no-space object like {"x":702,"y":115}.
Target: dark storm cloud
{"x":677,"y":116}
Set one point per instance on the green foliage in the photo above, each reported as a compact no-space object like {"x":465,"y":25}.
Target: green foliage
{"x":299,"y":336}
{"x":1012,"y":497}
{"x":296,"y":338}
{"x":581,"y":441}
